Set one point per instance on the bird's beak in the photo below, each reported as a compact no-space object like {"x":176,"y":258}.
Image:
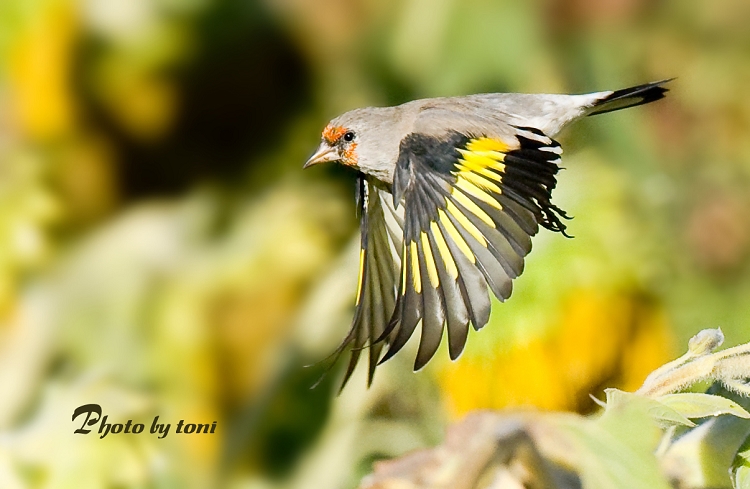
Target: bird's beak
{"x":324,"y":154}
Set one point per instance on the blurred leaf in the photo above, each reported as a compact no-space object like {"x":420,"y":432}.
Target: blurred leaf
{"x":742,"y":477}
{"x":617,"y":399}
{"x":741,"y":467}
{"x":702,"y":456}
{"x":610,"y":463}
{"x":697,"y":405}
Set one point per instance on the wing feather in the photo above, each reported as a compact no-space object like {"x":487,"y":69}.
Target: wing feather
{"x":433,"y":317}
{"x":378,"y":278}
{"x":454,"y":307}
{"x":381,"y":300}
{"x":497,"y":243}
{"x":506,"y":225}
{"x":408,"y":310}
{"x":471,"y":284}
{"x":497,"y":280}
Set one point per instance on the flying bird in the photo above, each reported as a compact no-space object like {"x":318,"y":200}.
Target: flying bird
{"x":449,"y":193}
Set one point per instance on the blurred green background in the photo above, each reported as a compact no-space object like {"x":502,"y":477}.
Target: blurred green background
{"x":162,"y":253}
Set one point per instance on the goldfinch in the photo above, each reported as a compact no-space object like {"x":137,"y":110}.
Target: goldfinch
{"x":449,"y":193}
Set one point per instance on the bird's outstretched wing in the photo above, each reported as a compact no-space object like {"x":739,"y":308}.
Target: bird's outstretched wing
{"x":471,"y":205}
{"x":381,"y":227}
{"x":458,"y":220}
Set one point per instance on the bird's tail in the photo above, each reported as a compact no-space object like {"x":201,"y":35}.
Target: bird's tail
{"x":629,"y":97}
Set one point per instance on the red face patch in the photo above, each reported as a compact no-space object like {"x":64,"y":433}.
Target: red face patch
{"x":350,"y":155}
{"x":333,"y":133}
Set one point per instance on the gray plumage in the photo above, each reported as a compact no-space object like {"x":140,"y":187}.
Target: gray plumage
{"x":379,"y":130}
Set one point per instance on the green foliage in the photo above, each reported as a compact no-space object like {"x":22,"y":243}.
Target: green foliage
{"x":657,"y":441}
{"x":710,"y":447}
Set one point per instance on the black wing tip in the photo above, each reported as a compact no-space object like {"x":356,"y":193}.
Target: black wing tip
{"x":457,"y":346}
{"x":420,"y":363}
{"x":551,"y":220}
{"x":389,"y":354}
{"x":427,"y":351}
{"x":455,"y":355}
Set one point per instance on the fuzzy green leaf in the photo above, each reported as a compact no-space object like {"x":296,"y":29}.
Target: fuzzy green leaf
{"x":661,"y":413}
{"x":695,"y":405}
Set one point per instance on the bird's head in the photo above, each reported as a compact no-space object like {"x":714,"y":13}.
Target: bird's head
{"x":363,"y":139}
{"x":338,"y":143}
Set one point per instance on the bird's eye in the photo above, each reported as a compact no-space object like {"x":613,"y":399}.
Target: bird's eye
{"x":349,"y":137}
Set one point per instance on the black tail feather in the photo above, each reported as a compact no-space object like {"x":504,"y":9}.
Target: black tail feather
{"x":630,"y":97}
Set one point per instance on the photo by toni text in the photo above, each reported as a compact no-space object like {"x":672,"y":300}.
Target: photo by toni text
{"x":93,"y":415}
